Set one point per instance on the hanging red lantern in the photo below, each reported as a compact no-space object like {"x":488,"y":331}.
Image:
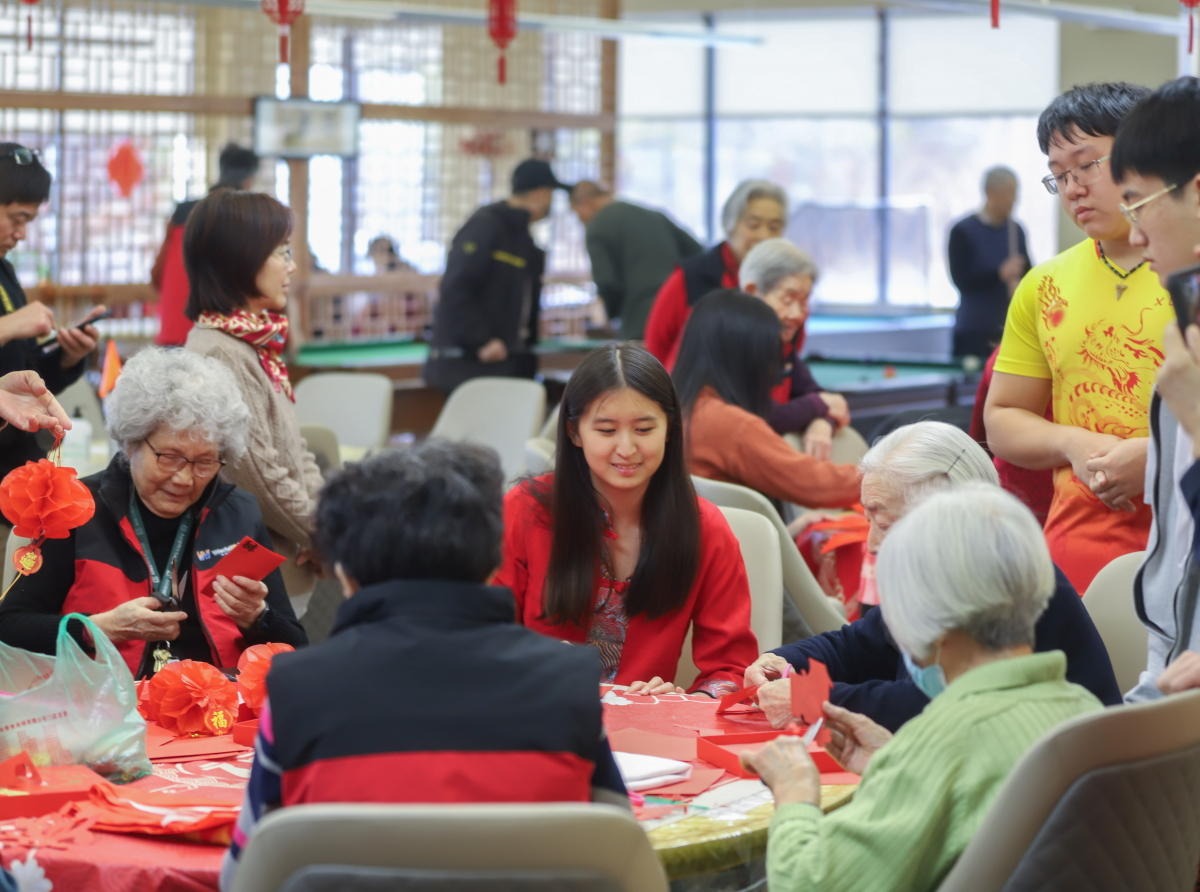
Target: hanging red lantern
{"x":1190,"y":6}
{"x":502,"y":28}
{"x":283,"y":13}
{"x":29,"y":24}
{"x":995,"y":13}
{"x":125,"y":168}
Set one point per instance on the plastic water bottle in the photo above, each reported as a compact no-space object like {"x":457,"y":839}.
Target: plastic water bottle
{"x":77,"y":443}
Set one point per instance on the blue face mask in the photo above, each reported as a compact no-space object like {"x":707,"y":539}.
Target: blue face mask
{"x":931,"y":680}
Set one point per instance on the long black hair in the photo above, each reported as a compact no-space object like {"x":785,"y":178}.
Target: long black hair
{"x":731,"y":344}
{"x":670,"y":552}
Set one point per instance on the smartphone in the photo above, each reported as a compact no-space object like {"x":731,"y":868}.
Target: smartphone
{"x":51,"y":344}
{"x":1184,"y":287}
{"x":248,"y":559}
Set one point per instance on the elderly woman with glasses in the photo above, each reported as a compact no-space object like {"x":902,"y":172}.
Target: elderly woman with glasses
{"x":963,"y":579}
{"x":145,"y":566}
{"x":900,"y":472}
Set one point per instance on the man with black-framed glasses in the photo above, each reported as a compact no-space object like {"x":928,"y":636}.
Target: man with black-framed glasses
{"x":1084,"y":336}
{"x":24,"y":187}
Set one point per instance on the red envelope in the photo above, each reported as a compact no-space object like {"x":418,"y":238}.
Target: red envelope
{"x":248,"y":559}
{"x":810,"y":690}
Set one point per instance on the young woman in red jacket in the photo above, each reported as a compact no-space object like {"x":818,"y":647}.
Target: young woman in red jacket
{"x":615,"y":550}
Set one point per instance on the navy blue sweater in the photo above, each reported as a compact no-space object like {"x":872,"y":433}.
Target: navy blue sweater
{"x":869,"y":676}
{"x":976,"y":252}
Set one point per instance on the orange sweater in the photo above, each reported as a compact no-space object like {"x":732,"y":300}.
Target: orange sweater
{"x":735,"y":446}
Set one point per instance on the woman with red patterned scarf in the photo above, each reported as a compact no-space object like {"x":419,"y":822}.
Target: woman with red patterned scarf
{"x":235,"y":247}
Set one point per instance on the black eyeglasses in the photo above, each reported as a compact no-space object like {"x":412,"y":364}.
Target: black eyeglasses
{"x":204,"y":468}
{"x":24,"y":157}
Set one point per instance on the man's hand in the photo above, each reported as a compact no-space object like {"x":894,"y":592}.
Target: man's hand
{"x":77,"y":343}
{"x":786,"y":767}
{"x":775,"y":698}
{"x":1084,"y":445}
{"x":1179,"y":380}
{"x":26,"y":403}
{"x":818,"y":439}
{"x":839,"y":409}
{"x":1119,"y":473}
{"x":140,"y":620}
{"x":766,"y":668}
{"x":34,"y":320}
{"x":855,"y":738}
{"x":1012,"y":269}
{"x":1182,"y":675}
{"x":493,"y":351}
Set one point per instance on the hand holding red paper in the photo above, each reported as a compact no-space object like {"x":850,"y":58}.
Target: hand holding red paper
{"x":785,"y":766}
{"x":253,"y":666}
{"x":238,"y":588}
{"x":768,"y":667}
{"x":854,"y":738}
{"x":191,"y":698}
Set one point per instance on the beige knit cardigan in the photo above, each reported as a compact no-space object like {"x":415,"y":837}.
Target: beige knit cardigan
{"x":277,"y":468}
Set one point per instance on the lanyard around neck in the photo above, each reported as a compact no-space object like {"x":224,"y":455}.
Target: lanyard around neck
{"x":160,"y":581}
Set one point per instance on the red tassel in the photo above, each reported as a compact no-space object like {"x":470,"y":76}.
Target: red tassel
{"x":29,"y":33}
{"x":284,"y":31}
{"x":1191,"y":31}
{"x":995,"y":13}
{"x":502,"y":70}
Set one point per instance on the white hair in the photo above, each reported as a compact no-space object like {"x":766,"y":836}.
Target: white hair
{"x":972,"y":559}
{"x":915,"y":461}
{"x":180,"y":391}
{"x":772,"y":261}
{"x":746,"y":192}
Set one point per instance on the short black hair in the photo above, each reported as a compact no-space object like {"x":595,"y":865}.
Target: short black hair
{"x":228,"y":238}
{"x":236,"y":164}
{"x":22,"y":183}
{"x":433,"y":511}
{"x":1093,"y":109}
{"x":1161,"y":136}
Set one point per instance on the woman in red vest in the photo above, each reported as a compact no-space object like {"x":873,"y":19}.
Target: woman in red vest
{"x":755,"y":212}
{"x":145,"y":566}
{"x":615,"y":550}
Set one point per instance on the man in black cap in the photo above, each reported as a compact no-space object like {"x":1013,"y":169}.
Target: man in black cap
{"x":486,"y":319}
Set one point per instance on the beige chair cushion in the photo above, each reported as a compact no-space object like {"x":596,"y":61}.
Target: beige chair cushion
{"x":1109,"y":602}
{"x":503,"y":413}
{"x":356,"y":406}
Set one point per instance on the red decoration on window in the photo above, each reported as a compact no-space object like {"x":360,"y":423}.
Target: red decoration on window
{"x":283,"y":13}
{"x":29,"y":24}
{"x":502,"y":28}
{"x":125,"y":168}
{"x":1190,"y":6}
{"x":995,"y":13}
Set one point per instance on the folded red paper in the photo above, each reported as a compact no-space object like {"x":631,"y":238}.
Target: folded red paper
{"x":647,"y":743}
{"x":29,"y":792}
{"x":731,"y":700}
{"x":725,"y":751}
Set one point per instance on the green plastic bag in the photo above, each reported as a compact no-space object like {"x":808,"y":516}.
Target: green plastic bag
{"x":72,"y":710}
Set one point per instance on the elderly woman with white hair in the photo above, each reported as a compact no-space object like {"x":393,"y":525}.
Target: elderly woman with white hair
{"x":756,"y":211}
{"x":783,"y":276}
{"x":144,"y":566}
{"x":900,"y":472}
{"x":963,"y":579}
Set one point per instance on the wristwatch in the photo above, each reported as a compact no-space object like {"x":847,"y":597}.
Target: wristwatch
{"x":264,"y":618}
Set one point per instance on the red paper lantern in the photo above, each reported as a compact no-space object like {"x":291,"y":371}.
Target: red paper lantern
{"x":125,"y":168}
{"x":43,"y":501}
{"x":502,"y":28}
{"x":29,"y":24}
{"x":1190,"y":6}
{"x":194,"y":699}
{"x":283,"y":13}
{"x":253,"y":666}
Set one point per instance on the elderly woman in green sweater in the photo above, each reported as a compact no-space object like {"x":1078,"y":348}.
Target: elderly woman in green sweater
{"x":963,"y":579}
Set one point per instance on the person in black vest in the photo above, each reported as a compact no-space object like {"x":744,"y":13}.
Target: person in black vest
{"x":24,"y":187}
{"x":427,"y":690}
{"x":486,"y":319}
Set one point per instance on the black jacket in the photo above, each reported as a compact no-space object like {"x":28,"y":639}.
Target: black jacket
{"x":18,"y":446}
{"x":869,"y":675}
{"x":704,"y":273}
{"x":492,"y":288}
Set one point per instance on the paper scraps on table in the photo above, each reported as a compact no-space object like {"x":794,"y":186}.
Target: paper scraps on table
{"x":701,"y":780}
{"x":729,"y":701}
{"x":163,"y":746}
{"x":633,"y":740}
{"x":57,"y":830}
{"x":641,"y":772}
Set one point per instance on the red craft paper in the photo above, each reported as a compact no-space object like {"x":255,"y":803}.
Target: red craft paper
{"x":42,"y":499}
{"x":253,"y":666}
{"x":725,"y":751}
{"x":245,"y":732}
{"x":701,"y":780}
{"x":810,"y":690}
{"x":832,"y":778}
{"x":163,"y":746}
{"x":737,"y":697}
{"x":181,"y":695}
{"x":647,"y":743}
{"x":41,"y":790}
{"x":251,"y":560}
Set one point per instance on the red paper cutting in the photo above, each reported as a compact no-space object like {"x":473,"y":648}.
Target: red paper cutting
{"x":183,"y":695}
{"x":810,"y":690}
{"x":730,"y":700}
{"x":253,"y":666}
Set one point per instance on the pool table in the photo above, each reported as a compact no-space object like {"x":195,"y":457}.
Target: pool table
{"x":403,"y":359}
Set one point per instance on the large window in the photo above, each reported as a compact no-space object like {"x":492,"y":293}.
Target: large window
{"x":809,"y":110}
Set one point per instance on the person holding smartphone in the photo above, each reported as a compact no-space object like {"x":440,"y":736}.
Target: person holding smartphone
{"x":1156,"y":165}
{"x":24,"y":187}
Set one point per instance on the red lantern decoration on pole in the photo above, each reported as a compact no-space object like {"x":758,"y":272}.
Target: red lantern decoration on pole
{"x":502,"y":28}
{"x":125,"y":168}
{"x":995,"y":13}
{"x":29,"y":24}
{"x":283,"y":13}
{"x":1190,"y":6}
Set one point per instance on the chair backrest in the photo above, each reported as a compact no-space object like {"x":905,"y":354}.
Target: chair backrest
{"x":549,"y":839}
{"x":549,"y":430}
{"x":503,"y":413}
{"x":1104,"y":802}
{"x":1109,"y":602}
{"x":820,"y":611}
{"x":849,"y":447}
{"x":764,"y":569}
{"x":82,"y":396}
{"x":10,"y":548}
{"x":322,"y":443}
{"x":356,"y":406}
{"x":539,"y":455}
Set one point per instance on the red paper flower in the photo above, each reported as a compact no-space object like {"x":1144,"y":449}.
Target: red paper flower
{"x":185,"y":696}
{"x":253,"y":666}
{"x":44,"y":500}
